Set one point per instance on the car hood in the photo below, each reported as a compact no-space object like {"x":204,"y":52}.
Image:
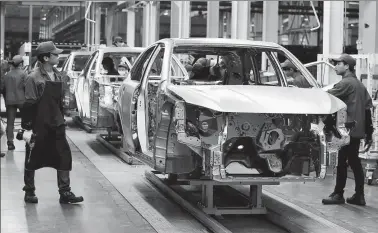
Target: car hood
{"x":259,"y":99}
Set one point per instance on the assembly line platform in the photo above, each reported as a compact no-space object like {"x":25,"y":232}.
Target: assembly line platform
{"x":119,"y":197}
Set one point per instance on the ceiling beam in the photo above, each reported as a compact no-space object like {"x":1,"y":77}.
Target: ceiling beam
{"x":55,"y":3}
{"x":43,"y":3}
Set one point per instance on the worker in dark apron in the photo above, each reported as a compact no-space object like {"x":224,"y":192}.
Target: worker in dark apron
{"x":359,"y":103}
{"x":44,"y":116}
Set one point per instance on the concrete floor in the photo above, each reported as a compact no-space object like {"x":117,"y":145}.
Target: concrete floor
{"x":104,"y":209}
{"x":359,"y":219}
{"x":117,"y":198}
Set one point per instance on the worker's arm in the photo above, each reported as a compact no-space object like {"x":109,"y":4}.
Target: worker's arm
{"x":341,"y":89}
{"x":29,"y":107}
{"x":23,"y":81}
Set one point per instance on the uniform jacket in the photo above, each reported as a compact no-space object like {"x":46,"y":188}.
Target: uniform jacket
{"x":34,"y":87}
{"x":13,"y":87}
{"x":355,"y":95}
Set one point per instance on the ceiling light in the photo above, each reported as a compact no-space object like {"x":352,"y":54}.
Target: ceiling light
{"x":353,"y":3}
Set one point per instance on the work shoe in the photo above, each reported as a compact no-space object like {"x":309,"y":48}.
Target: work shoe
{"x":30,"y":197}
{"x":11,"y":146}
{"x":69,"y":197}
{"x":334,"y":199}
{"x":357,"y":199}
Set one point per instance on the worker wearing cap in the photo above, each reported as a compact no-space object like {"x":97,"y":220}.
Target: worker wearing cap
{"x":291,"y":70}
{"x":43,"y":114}
{"x":118,"y":42}
{"x":359,"y":104}
{"x":12,"y":88}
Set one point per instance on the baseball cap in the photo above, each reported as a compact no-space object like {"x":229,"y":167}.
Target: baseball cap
{"x":288,"y":64}
{"x":48,"y":47}
{"x":16,"y":60}
{"x":118,"y":39}
{"x":347,"y":59}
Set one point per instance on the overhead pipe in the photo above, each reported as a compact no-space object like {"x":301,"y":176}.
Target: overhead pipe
{"x":136,"y":5}
{"x":319,"y":62}
{"x":316,"y":16}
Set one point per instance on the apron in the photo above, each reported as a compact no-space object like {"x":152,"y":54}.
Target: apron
{"x":51,"y":148}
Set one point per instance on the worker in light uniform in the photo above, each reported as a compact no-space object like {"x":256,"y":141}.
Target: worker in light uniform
{"x":43,"y":114}
{"x":13,"y":89}
{"x":359,"y":104}
{"x":118,"y":42}
{"x":292,"y":71}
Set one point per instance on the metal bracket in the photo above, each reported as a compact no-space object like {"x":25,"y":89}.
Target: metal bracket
{"x":255,"y":205}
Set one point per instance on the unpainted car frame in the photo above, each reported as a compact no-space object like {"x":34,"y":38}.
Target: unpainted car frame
{"x":96,"y":93}
{"x":72,"y":74}
{"x":232,"y":125}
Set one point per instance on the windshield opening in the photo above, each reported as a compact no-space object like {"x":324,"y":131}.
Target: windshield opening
{"x":117,"y":63}
{"x":79,"y":62}
{"x":206,"y":65}
{"x":61,"y":61}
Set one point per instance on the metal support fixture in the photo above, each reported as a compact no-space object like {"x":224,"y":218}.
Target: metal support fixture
{"x":90,"y":34}
{"x":150,"y":23}
{"x":130,"y":28}
{"x":98,"y":25}
{"x":240,"y":20}
{"x":113,"y":143}
{"x":180,"y":19}
{"x":270,"y":27}
{"x":2,"y":28}
{"x":30,"y":34}
{"x":212,"y":27}
{"x":253,"y":202}
{"x":208,"y":206}
{"x":93,"y":26}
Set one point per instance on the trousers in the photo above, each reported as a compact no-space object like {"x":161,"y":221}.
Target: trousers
{"x":348,"y":155}
{"x":11,"y":116}
{"x":63,"y":179}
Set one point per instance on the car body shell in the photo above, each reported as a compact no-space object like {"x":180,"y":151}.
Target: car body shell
{"x":72,"y":74}
{"x":95,"y":93}
{"x":165,"y":145}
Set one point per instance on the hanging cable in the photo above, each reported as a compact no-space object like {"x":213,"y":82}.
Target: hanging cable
{"x":316,"y":16}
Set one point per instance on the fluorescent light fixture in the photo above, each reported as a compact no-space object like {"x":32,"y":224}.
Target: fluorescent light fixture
{"x":353,"y":3}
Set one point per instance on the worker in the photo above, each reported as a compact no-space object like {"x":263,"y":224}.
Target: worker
{"x":359,"y":104}
{"x":292,"y":71}
{"x":12,"y":88}
{"x":43,"y":114}
{"x":109,"y":66}
{"x":118,"y":42}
